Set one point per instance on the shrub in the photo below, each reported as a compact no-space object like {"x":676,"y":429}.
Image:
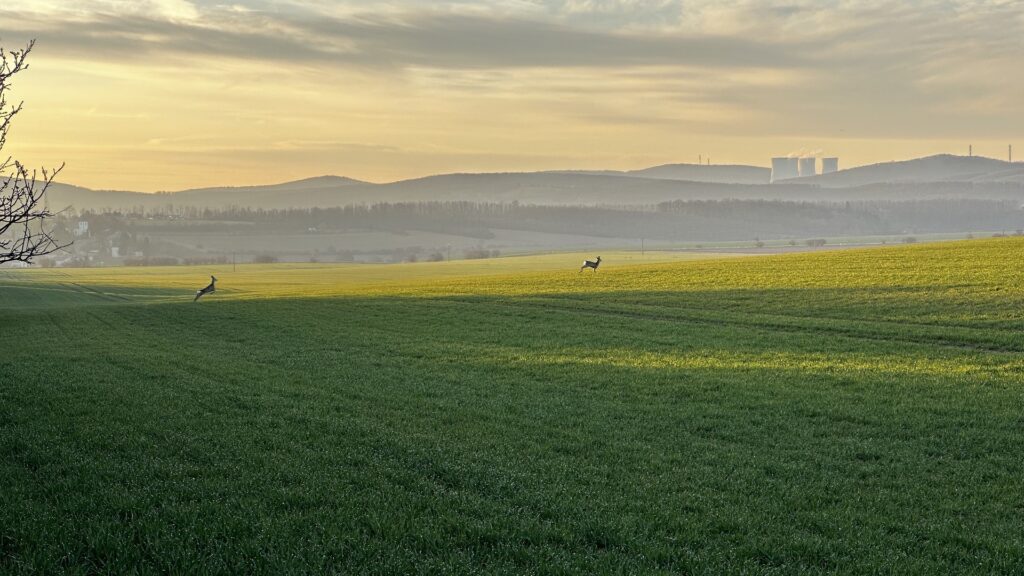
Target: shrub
{"x":154,"y":261}
{"x":205,"y":261}
{"x":479,"y":253}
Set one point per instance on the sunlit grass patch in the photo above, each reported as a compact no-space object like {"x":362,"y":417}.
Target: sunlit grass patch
{"x":853,"y":412}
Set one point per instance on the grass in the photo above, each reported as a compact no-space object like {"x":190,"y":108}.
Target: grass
{"x":34,"y":288}
{"x":835,"y":412}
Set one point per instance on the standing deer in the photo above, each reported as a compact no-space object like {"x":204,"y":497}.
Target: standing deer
{"x":208,"y":290}
{"x":591,"y":264}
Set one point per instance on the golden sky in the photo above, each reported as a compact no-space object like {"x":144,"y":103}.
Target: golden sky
{"x":170,"y":94}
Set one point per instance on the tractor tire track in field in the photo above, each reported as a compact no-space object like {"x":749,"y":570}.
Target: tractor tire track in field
{"x":846,"y":331}
{"x":104,"y":295}
{"x":720,"y":320}
{"x":54,"y":321}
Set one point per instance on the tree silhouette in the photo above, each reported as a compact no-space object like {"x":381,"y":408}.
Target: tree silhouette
{"x":23,"y":234}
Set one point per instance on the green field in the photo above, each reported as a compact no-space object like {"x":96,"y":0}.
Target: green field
{"x":839,"y":412}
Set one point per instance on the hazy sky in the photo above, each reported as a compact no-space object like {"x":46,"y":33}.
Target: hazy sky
{"x":167,"y":94}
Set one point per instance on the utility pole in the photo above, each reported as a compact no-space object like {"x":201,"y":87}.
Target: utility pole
{"x":234,"y":266}
{"x":642,"y":247}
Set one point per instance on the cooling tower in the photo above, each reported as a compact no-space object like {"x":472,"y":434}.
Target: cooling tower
{"x":808,"y":167}
{"x":829,"y":165}
{"x":784,"y":169}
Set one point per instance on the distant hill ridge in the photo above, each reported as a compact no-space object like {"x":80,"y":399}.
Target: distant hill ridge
{"x":952,"y":176}
{"x":938,"y":168}
{"x":314,"y":183}
{"x":715,"y":173}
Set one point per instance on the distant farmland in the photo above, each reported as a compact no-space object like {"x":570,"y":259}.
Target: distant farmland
{"x":437,"y":231}
{"x":851,"y":412}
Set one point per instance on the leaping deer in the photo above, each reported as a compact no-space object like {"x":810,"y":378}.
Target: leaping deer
{"x":208,"y":290}
{"x":591,"y":264}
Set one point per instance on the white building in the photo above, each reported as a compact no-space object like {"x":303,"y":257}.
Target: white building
{"x":784,"y":169}
{"x":808,"y":166}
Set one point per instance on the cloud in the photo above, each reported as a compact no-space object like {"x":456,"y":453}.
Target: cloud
{"x":919,"y":37}
{"x":503,"y":76}
{"x":175,"y":10}
{"x":841,"y":55}
{"x":457,"y":41}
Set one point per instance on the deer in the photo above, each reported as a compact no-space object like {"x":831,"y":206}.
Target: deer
{"x":208,"y":290}
{"x":591,"y":264}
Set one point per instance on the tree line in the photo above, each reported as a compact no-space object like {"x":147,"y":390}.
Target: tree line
{"x":683,"y":220}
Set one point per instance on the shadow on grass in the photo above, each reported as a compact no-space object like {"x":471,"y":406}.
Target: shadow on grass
{"x":591,"y":432}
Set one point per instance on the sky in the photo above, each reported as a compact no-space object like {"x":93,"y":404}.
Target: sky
{"x":170,"y":94}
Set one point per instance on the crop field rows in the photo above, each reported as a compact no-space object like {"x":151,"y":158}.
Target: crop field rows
{"x":840,"y":412}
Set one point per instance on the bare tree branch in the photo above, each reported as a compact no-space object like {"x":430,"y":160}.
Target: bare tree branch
{"x":23,"y":234}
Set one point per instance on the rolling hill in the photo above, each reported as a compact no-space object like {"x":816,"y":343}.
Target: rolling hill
{"x":716,"y":173}
{"x":932,"y":177}
{"x":940,"y":168}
